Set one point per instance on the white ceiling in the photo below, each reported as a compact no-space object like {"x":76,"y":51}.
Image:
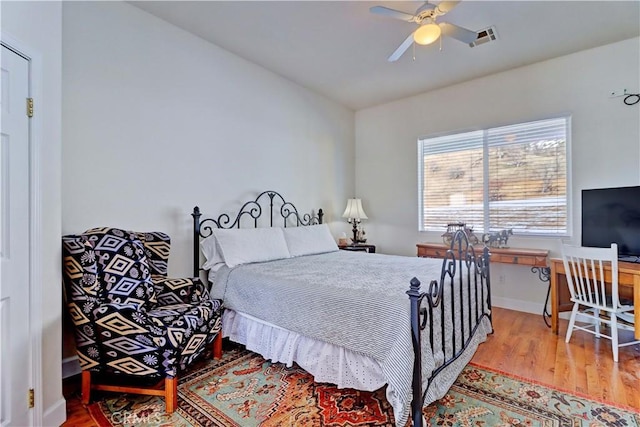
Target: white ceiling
{"x":340,"y":49}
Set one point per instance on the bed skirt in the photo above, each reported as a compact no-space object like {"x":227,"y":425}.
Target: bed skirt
{"x":328,"y":363}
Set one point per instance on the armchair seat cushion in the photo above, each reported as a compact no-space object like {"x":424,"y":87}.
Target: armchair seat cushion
{"x":186,"y":317}
{"x":188,"y":326}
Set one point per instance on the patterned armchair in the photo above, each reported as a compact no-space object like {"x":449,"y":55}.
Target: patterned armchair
{"x":129,"y":318}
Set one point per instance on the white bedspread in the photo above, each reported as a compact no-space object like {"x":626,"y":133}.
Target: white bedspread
{"x":353,"y":300}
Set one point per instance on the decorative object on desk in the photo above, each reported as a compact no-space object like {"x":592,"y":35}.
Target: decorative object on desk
{"x":355,"y":214}
{"x":452,"y":227}
{"x":497,"y":239}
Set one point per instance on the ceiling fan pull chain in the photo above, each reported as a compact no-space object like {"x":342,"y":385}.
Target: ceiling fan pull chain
{"x":413,"y":45}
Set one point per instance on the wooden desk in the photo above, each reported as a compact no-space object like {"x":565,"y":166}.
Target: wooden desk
{"x":534,"y":258}
{"x":516,"y":256}
{"x":628,"y":285}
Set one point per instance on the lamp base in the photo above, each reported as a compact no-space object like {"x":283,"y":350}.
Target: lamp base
{"x":358,"y":236}
{"x":354,"y":239}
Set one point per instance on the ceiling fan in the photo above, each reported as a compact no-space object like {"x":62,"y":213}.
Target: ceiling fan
{"x":429,"y":30}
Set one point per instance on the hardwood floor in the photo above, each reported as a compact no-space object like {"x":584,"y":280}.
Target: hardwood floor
{"x":521,"y":345}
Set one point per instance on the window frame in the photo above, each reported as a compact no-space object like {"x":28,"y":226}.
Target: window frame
{"x":568,"y":232}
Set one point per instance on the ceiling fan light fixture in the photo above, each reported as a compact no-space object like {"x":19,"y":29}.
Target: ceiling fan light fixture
{"x":427,"y":34}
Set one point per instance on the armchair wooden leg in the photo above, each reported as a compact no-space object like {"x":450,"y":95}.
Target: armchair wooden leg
{"x":86,"y":387}
{"x":217,"y":346}
{"x":171,"y":394}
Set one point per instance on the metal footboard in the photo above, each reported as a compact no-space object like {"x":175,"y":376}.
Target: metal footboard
{"x":460,"y":258}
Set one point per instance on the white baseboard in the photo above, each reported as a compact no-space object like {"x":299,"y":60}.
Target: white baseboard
{"x":524,"y":306}
{"x":70,"y":366}
{"x":55,"y":414}
{"x":517,"y":305}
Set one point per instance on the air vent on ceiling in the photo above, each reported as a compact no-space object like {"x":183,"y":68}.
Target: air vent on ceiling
{"x":485,"y":36}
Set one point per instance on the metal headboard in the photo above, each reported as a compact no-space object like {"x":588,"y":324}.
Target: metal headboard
{"x":279,"y":211}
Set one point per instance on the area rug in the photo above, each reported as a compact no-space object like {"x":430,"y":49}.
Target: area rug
{"x":244,"y":390}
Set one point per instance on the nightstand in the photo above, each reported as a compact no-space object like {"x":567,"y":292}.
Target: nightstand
{"x":359,"y":247}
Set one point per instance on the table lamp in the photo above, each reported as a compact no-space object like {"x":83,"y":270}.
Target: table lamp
{"x":354,"y":214}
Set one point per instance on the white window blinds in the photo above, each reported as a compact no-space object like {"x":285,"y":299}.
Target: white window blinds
{"x":507,"y":177}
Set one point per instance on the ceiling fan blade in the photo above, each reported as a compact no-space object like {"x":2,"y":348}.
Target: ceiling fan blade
{"x":446,"y":6}
{"x":381,"y":10}
{"x":458,"y":33}
{"x":401,"y":49}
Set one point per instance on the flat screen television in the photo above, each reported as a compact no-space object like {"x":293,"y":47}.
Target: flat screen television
{"x":612,"y":215}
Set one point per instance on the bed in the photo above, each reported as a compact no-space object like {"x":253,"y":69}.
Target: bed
{"x":353,"y":319}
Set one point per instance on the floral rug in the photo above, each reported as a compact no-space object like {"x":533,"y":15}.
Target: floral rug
{"x":244,"y":390}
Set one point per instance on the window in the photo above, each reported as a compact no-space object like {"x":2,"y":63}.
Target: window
{"x":506,"y":177}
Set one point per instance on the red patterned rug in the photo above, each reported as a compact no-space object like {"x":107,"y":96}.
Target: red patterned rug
{"x":244,"y":390}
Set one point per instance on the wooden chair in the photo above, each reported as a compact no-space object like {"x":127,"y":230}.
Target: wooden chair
{"x":593,"y":299}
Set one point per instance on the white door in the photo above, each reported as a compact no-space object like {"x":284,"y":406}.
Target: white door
{"x":15,"y":372}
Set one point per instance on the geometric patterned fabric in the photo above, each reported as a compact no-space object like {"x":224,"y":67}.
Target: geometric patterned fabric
{"x":129,"y":317}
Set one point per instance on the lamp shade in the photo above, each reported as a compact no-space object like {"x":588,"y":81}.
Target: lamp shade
{"x":354,"y":210}
{"x":427,"y":34}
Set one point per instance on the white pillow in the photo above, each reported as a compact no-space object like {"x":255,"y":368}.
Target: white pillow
{"x":309,"y":240}
{"x":212,"y":254}
{"x":246,"y":245}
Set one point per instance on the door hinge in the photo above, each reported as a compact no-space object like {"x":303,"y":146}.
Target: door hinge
{"x":29,"y":107}
{"x":31,"y":398}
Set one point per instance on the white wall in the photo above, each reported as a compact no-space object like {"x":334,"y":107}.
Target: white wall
{"x":37,"y":26}
{"x":157,"y":120}
{"x":605,"y":145}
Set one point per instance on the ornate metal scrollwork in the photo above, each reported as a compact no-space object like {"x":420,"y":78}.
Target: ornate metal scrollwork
{"x":456,"y":284}
{"x":544,"y":274}
{"x":253,"y":209}
{"x":288,"y":210}
{"x":434,"y":295}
